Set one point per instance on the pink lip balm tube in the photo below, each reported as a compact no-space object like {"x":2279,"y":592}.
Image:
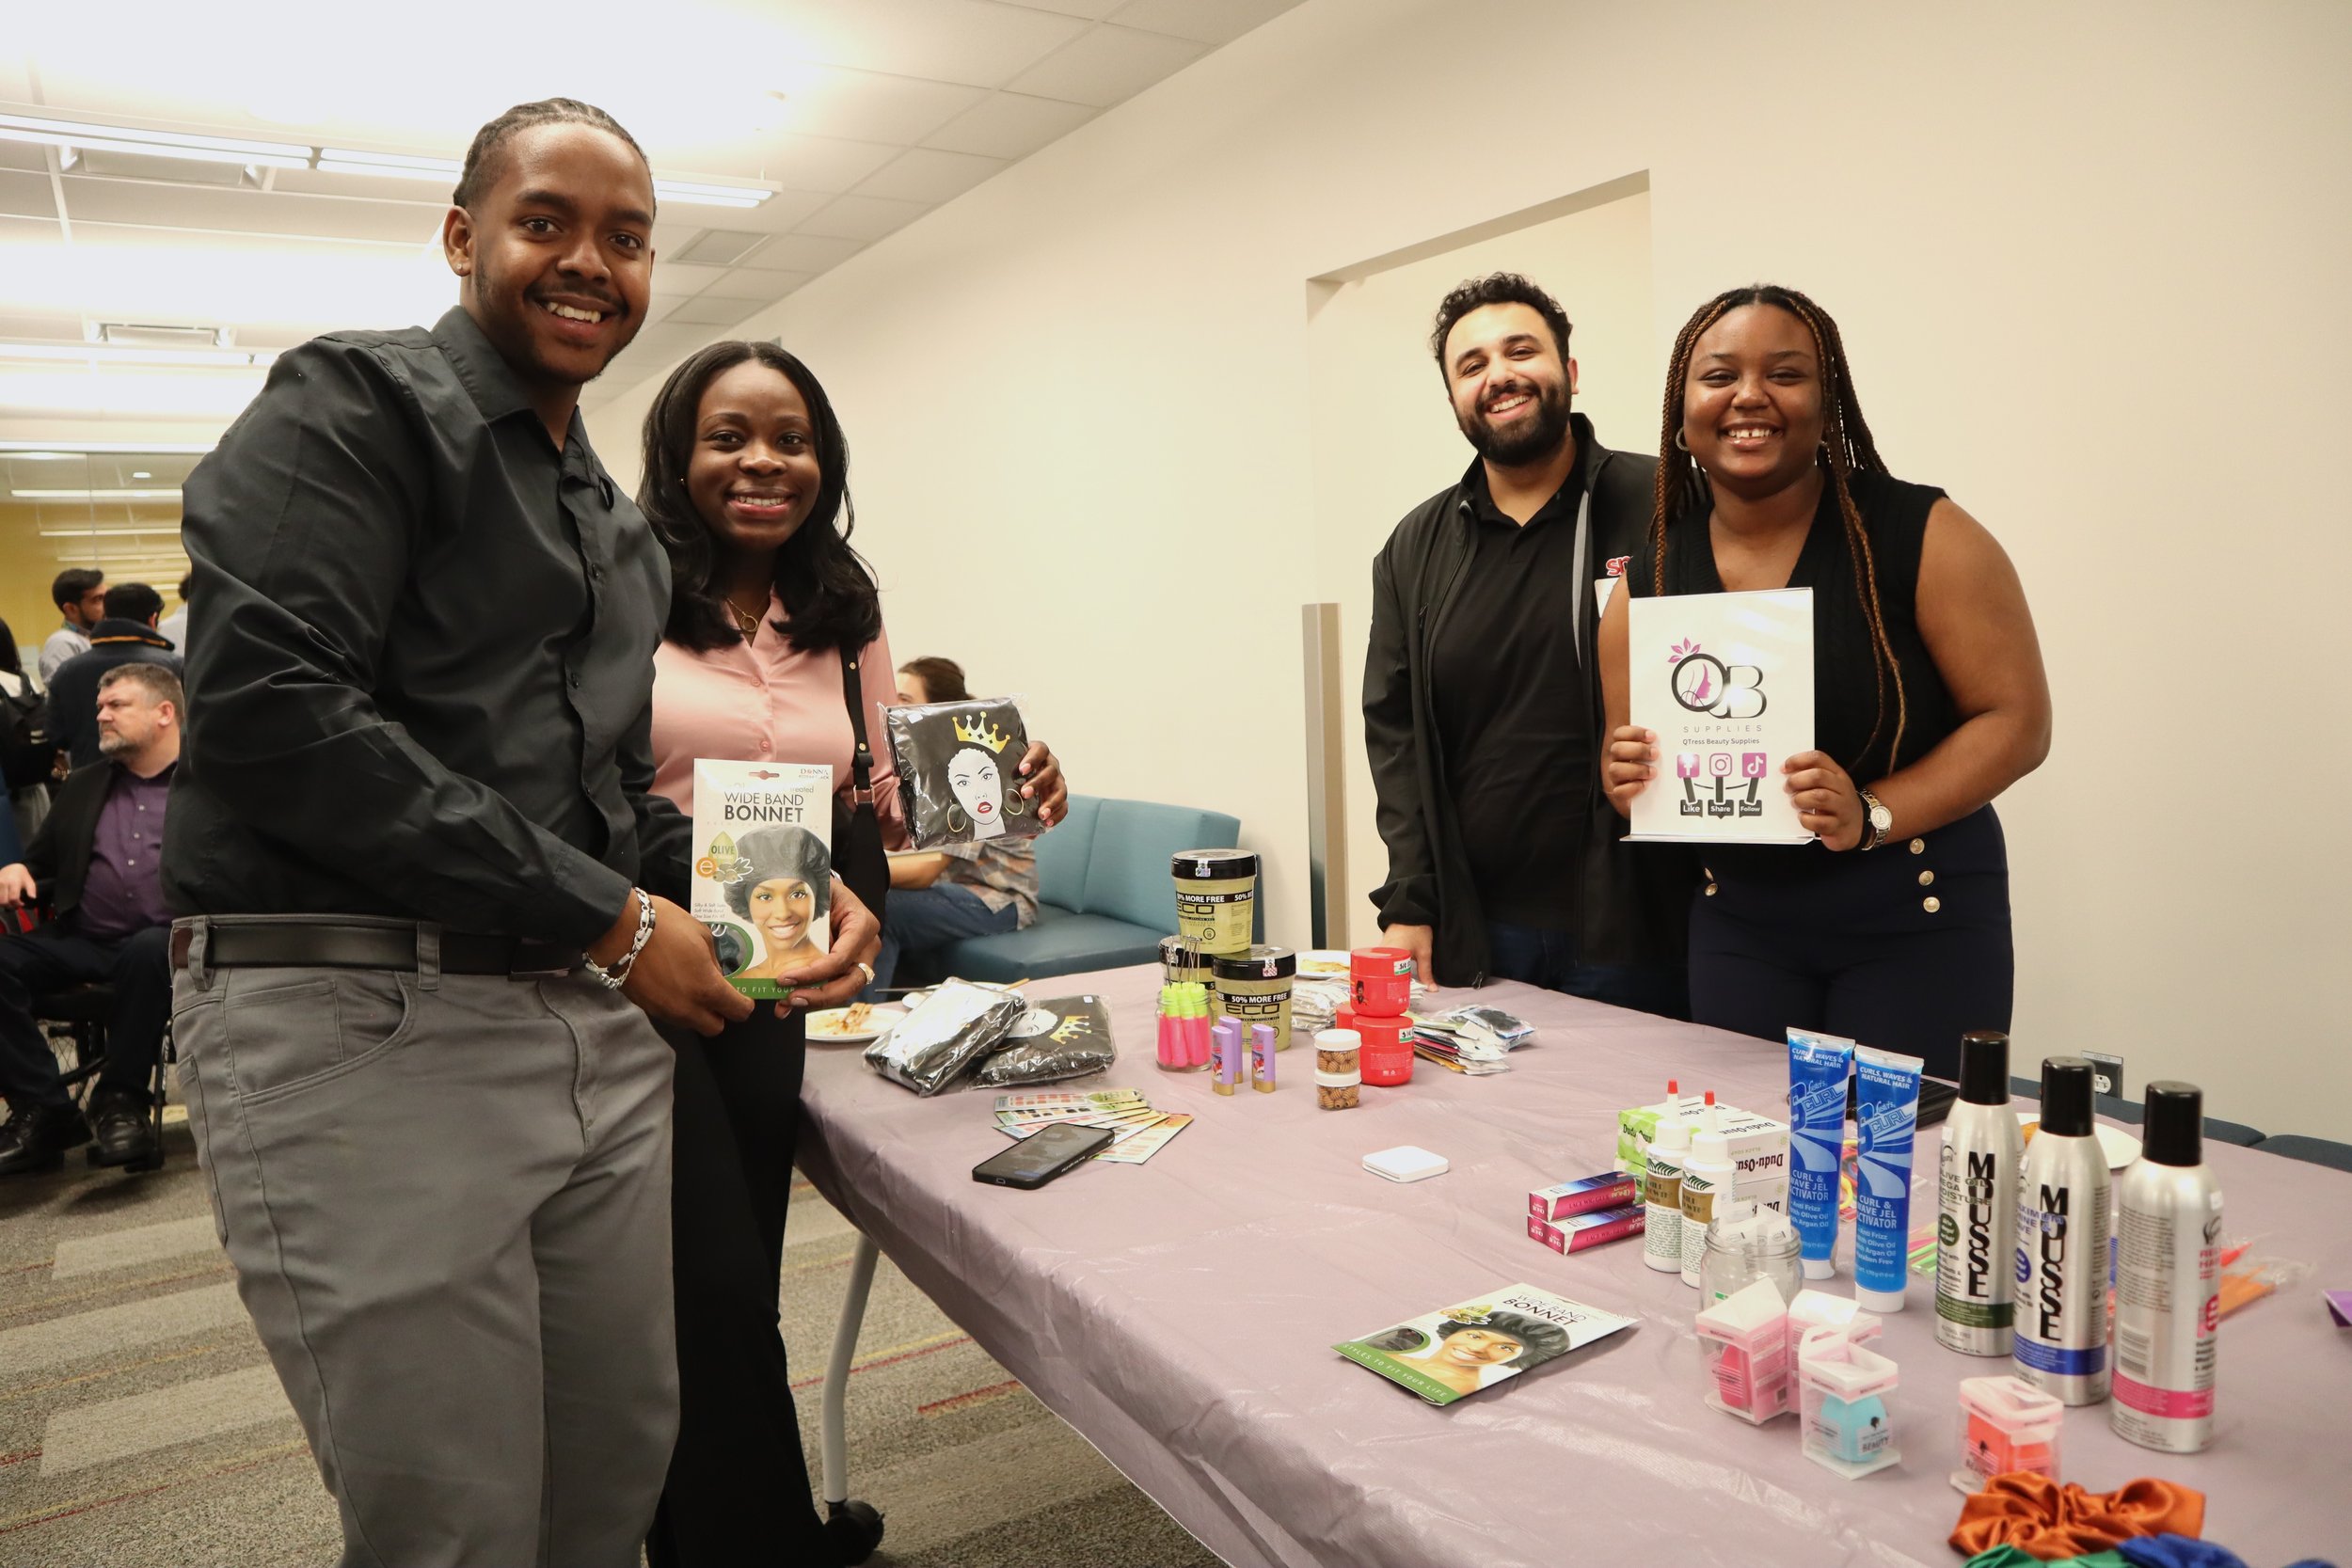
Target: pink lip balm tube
{"x":1196,"y":1024}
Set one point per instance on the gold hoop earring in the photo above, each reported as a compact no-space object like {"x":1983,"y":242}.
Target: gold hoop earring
{"x":1015,"y":806}
{"x":953,"y":825}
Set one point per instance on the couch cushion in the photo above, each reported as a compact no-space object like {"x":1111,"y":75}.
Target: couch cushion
{"x":1061,"y":854}
{"x":1059,"y":941}
{"x":1127,"y":874}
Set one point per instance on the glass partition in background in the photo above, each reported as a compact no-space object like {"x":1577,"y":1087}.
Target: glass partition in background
{"x":83,"y":506}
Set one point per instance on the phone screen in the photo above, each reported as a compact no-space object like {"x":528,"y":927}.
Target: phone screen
{"x":1042,"y":1156}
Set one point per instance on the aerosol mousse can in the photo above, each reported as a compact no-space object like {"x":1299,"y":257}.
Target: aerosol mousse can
{"x":2061,"y":1321}
{"x":2167,"y":1280}
{"x":1975,"y":1221}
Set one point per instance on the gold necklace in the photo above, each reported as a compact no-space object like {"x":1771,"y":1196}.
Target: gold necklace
{"x":748,"y":621}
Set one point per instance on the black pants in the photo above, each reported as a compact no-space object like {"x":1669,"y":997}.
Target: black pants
{"x":52,"y":956}
{"x":1899,"y":948}
{"x":737,"y":1492}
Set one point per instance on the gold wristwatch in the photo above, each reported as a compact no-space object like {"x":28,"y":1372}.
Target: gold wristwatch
{"x":1876,"y":817}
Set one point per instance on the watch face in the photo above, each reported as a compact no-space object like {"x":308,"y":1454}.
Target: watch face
{"x":1881,"y":819}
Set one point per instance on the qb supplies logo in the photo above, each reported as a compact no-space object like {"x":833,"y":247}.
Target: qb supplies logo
{"x":1705,"y":685}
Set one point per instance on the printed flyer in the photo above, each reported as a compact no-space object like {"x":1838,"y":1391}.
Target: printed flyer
{"x":1457,"y":1352}
{"x":1726,"y":682}
{"x":763,"y":868}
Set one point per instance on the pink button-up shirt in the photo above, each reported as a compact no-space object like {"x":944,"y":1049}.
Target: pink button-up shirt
{"x":766,"y":701}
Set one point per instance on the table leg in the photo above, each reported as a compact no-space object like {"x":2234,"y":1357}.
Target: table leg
{"x":830,"y":1435}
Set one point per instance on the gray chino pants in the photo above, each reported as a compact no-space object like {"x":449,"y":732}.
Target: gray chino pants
{"x":446,"y":1199}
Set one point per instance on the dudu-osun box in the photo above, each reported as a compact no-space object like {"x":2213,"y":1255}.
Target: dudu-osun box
{"x":1758,"y":1145}
{"x":1564,"y":1199}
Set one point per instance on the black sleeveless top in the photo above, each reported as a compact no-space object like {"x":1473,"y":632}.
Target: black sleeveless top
{"x":1844,"y":691}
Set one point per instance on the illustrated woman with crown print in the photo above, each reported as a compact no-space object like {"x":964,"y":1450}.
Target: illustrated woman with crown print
{"x":773,"y":652}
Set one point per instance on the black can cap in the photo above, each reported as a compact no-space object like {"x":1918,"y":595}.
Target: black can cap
{"x":1985,"y":1068}
{"x":2174,"y":1131}
{"x":2066,"y":1084}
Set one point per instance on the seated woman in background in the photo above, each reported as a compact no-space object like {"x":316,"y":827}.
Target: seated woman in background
{"x":964,"y":890}
{"x":1893,"y":927}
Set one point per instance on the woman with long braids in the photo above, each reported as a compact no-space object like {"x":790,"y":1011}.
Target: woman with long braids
{"x":773,"y":652}
{"x":1893,"y":926}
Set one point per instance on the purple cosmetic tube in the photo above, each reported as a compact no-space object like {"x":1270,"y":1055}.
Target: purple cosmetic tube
{"x":1262,"y":1057}
{"x":1224,"y":1053}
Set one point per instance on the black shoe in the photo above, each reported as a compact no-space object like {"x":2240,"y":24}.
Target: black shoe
{"x":855,"y":1528}
{"x":36,"y":1137}
{"x":124,"y":1123}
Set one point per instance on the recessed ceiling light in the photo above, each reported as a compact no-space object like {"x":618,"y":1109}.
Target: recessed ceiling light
{"x":141,"y":473}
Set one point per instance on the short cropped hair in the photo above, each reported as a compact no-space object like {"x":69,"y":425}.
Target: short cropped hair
{"x":72,"y":584}
{"x":483,"y":158}
{"x":157,"y":681}
{"x":1497,"y":288}
{"x":133,"y":601}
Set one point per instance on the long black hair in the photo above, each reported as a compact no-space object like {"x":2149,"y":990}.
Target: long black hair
{"x":829,"y":595}
{"x":11,"y":662}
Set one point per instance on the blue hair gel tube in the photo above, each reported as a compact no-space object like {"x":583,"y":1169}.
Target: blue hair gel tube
{"x":1818,"y":1069}
{"x":1886,"y":1115}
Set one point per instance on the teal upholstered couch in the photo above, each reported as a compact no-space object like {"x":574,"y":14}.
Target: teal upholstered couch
{"x":1104,"y":898}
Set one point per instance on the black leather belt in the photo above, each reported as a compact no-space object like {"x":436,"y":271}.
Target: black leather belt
{"x":328,"y":945}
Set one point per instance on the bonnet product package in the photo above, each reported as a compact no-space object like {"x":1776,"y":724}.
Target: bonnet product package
{"x":959,"y":771}
{"x":940,"y":1041}
{"x":1066,"y":1036}
{"x":763,"y":868}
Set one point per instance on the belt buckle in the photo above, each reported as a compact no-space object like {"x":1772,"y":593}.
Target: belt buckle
{"x":538,"y":960}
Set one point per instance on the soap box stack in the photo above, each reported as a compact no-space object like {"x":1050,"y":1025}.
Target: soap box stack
{"x":1759,"y":1147}
{"x":1569,"y":1217}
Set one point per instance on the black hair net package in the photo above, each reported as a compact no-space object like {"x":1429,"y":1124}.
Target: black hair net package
{"x":959,"y":771}
{"x":1068,"y":1037}
{"x":941,"y":1040}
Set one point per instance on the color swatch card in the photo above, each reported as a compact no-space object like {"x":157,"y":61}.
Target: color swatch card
{"x":1725,"y":680}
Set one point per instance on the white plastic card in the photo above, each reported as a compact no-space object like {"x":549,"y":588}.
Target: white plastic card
{"x":1405,"y":1162}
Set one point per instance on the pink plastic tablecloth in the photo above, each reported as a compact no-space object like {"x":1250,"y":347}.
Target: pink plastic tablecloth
{"x":1180,"y":1313}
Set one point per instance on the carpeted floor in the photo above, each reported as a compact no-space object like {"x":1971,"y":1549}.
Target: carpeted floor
{"x":140,"y":1425}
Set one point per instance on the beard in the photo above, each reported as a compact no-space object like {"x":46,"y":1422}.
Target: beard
{"x":1540,"y":437}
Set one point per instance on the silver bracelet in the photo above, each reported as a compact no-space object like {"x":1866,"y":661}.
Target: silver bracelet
{"x":616,"y":976}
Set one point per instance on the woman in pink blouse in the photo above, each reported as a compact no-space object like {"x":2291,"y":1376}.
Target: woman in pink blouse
{"x":774,"y":632}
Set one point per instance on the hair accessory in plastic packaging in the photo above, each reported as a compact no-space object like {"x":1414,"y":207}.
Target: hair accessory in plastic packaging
{"x":941,"y":1040}
{"x":1073,"y":1039}
{"x":959,"y":771}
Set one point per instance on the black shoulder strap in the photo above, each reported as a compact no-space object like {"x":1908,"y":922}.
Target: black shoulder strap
{"x":862,"y":759}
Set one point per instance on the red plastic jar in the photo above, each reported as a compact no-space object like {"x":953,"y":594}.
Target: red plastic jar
{"x":1381,"y":981}
{"x":1386,"y":1056}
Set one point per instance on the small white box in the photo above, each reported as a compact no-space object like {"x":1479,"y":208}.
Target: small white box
{"x":1405,"y":1162}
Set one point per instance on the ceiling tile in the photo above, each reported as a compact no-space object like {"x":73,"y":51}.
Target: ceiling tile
{"x":802,"y":253}
{"x":1109,"y":65}
{"x":927,"y":174}
{"x":683,"y":278}
{"x":949,"y":41}
{"x":25,"y":195}
{"x":779,"y":213}
{"x":862,"y":106}
{"x":23,"y":155}
{"x":1010,"y":126}
{"x":1093,"y":10}
{"x":759,"y":287}
{"x":863,"y":218}
{"x":1208,"y":22}
{"x":248,"y":212}
{"x":825,"y":164}
{"x":709,"y":313}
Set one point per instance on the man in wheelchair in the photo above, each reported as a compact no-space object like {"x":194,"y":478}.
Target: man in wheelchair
{"x":96,"y":863}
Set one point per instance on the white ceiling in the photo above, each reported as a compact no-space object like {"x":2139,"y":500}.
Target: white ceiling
{"x":866,"y":114}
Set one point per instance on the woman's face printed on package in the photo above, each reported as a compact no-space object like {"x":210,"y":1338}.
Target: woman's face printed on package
{"x":979,"y":788}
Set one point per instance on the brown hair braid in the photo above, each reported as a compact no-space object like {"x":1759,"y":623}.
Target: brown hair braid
{"x":1846,"y":440}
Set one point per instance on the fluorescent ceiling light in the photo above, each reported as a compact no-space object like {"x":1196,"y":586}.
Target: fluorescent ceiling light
{"x":705,"y":192}
{"x":94,"y":495}
{"x":38,"y":452}
{"x":141,"y":473}
{"x":398,"y":166}
{"x":130,"y":528}
{"x":88,"y":137}
{"x":109,"y":353}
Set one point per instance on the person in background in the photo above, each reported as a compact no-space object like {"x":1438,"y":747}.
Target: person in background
{"x":175,"y":625}
{"x":125,"y":634}
{"x":962,"y":889}
{"x":430,"y":938}
{"x":26,"y":749}
{"x":100,"y":860}
{"x":1482,"y":698}
{"x":1893,"y":926}
{"x":80,"y":595}
{"x":774,"y":651}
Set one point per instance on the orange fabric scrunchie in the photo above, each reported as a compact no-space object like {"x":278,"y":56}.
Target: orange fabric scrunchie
{"x":2036,"y":1515}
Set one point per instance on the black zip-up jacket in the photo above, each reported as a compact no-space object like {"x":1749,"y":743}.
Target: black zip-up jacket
{"x":1630,"y":904}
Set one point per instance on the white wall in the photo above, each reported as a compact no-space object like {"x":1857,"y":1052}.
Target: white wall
{"x":2088,"y":263}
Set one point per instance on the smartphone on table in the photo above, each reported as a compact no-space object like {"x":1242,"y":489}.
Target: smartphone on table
{"x":1043,"y":1155}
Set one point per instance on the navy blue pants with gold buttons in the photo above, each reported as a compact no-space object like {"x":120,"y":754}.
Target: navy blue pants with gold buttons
{"x":1905,"y":947}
